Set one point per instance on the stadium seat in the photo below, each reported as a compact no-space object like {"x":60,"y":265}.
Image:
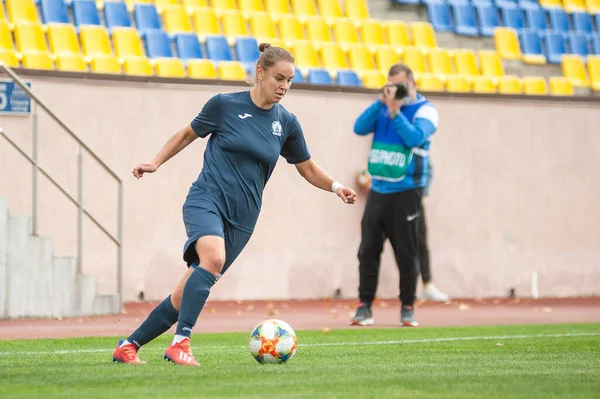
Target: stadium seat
{"x":593,"y":64}
{"x":596,"y":43}
{"x":105,"y":64}
{"x":23,"y":11}
{"x":582,"y":22}
{"x":458,"y":84}
{"x":317,"y":30}
{"x":192,"y":5}
{"x":578,"y":44}
{"x":139,"y":66}
{"x":95,"y":40}
{"x":127,"y":43}
{"x":513,"y":17}
{"x":305,"y":53}
{"x":277,"y":7}
{"x":201,"y":69}
{"x":37,"y":60}
{"x":415,"y":58}
{"x":146,"y":18}
{"x":162,"y":4}
{"x":535,"y":85}
{"x":344,"y":31}
{"x":509,"y":85}
{"x":298,"y":77}
{"x":356,"y":9}
{"x":206,"y":22}
{"x":374,"y":79}
{"x":71,"y":63}
{"x":507,"y":43}
{"x":9,"y":57}
{"x":465,"y":61}
{"x":251,"y":6}
{"x":484,"y":84}
{"x":63,"y":39}
{"x":217,"y":48}
{"x":319,"y":76}
{"x":487,"y":14}
{"x":438,"y":14}
{"x":465,"y":19}
{"x":231,"y":70}
{"x":348,"y":78}
{"x":234,"y":25}
{"x":396,"y":33}
{"x":116,"y":14}
{"x":176,"y":20}
{"x":423,"y":35}
{"x":247,"y":51}
{"x":221,"y":5}
{"x":188,"y":46}
{"x":304,"y":8}
{"x":571,"y":6}
{"x":372,"y":32}
{"x":536,"y":19}
{"x":531,"y":47}
{"x":559,"y":20}
{"x":440,"y":63}
{"x":7,"y":47}
{"x":385,"y":57}
{"x":333,"y":57}
{"x":490,"y":63}
{"x":158,"y":44}
{"x":429,"y":82}
{"x":361,"y":58}
{"x":30,"y":37}
{"x":85,"y":13}
{"x":291,"y":28}
{"x":555,"y":46}
{"x":170,"y":68}
{"x":573,"y":68}
{"x":53,"y":11}
{"x":262,"y":26}
{"x":560,"y":86}
{"x":330,"y":9}
{"x":551,"y":3}
{"x":593,"y":7}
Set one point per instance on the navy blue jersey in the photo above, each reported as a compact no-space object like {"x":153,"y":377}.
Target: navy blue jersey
{"x":242,"y":152}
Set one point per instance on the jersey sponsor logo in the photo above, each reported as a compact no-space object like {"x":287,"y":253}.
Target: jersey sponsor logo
{"x":246,"y":115}
{"x":277,"y":129}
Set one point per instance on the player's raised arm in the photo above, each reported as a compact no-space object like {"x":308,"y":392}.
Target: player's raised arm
{"x":316,"y":176}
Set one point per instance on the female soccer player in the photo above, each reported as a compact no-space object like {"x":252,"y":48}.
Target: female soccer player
{"x":248,"y":131}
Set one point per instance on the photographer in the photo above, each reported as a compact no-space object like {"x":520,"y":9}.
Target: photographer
{"x":403,"y":122}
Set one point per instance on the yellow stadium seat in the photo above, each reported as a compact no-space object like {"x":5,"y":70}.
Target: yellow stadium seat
{"x":317,"y":30}
{"x":551,"y":3}
{"x":374,"y":79}
{"x":291,"y":28}
{"x":429,"y":82}
{"x":344,"y":31}
{"x":127,"y":43}
{"x":373,"y":32}
{"x":423,"y":34}
{"x":304,"y":8}
{"x":593,"y":6}
{"x":162,"y":4}
{"x":105,"y":64}
{"x":278,"y":7}
{"x":440,"y":62}
{"x":484,"y":84}
{"x":234,"y":24}
{"x":356,"y":9}
{"x":560,"y":86}
{"x":71,"y":62}
{"x":490,"y":63}
{"x":6,"y":41}
{"x":333,"y":57}
{"x":361,"y":59}
{"x":305,"y":53}
{"x":30,"y":37}
{"x":262,"y":26}
{"x":414,"y":57}
{"x":37,"y":60}
{"x":2,"y":14}
{"x":169,"y":68}
{"x":458,"y":84}
{"x":249,"y":6}
{"x":140,"y":66}
{"x":593,"y":63}
{"x":397,"y":33}
{"x":466,"y":62}
{"x":330,"y":9}
{"x":573,"y":68}
{"x":63,"y":39}
{"x":221,"y":5}
{"x":94,"y":40}
{"x":507,"y":43}
{"x":574,"y":5}
{"x":202,"y":69}
{"x":231,"y":70}
{"x":386,"y":56}
{"x":206,"y":22}
{"x":510,"y":85}
{"x":9,"y":57}
{"x":191,"y":5}
{"x":22,"y":11}
{"x":535,"y":85}
{"x":176,"y":19}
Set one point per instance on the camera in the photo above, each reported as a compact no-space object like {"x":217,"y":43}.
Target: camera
{"x":401,"y":90}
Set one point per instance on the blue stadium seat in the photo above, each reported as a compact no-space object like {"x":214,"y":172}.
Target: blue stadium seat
{"x":555,"y":46}
{"x":54,"y":11}
{"x":531,"y":43}
{"x":85,"y":12}
{"x":146,"y":17}
{"x":536,"y":18}
{"x":247,"y":53}
{"x":578,"y":44}
{"x":465,"y":19}
{"x":512,"y":16}
{"x":528,"y":4}
{"x":505,"y":3}
{"x":597,"y":20}
{"x":217,"y":48}
{"x":407,"y":1}
{"x":298,"y":77}
{"x":596,"y":43}
{"x":348,"y":78}
{"x":559,"y":20}
{"x":475,"y":2}
{"x":188,"y":46}
{"x":319,"y":76}
{"x":582,"y":22}
{"x":158,"y":44}
{"x":488,"y":18}
{"x":438,"y":13}
{"x":116,"y":14}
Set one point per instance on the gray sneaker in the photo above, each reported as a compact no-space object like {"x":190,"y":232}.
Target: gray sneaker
{"x":407,"y":316}
{"x":363,"y":316}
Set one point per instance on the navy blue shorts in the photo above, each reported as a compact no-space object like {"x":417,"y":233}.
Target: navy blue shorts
{"x":202,"y":218}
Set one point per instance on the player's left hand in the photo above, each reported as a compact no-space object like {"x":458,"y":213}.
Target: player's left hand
{"x":346,"y":194}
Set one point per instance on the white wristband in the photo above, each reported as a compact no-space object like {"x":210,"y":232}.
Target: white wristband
{"x":335,"y":186}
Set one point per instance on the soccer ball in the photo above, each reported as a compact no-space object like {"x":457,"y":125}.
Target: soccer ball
{"x":273,"y":341}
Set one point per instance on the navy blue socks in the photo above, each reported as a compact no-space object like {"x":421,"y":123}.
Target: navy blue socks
{"x":195,"y":294}
{"x":158,"y":322}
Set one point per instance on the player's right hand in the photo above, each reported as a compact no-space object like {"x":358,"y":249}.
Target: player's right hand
{"x":142,"y":168}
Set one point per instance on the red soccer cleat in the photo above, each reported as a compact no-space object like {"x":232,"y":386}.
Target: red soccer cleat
{"x":181,"y":353}
{"x":127,"y":354}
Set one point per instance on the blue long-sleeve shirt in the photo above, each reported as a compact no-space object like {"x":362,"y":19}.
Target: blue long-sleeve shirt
{"x":399,"y":153}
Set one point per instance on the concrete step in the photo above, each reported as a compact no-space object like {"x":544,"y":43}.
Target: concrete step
{"x":41,"y":283}
{"x":85,"y":294}
{"x":107,"y":304}
{"x":22,"y":249}
{"x":3,"y":255}
{"x":64,"y":272}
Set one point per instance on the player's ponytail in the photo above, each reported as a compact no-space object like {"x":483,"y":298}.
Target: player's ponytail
{"x":269,"y":56}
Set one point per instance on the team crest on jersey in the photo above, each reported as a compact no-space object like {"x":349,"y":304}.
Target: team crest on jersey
{"x":276,"y":126}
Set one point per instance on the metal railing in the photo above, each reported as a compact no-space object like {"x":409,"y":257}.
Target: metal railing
{"x":78,"y":202}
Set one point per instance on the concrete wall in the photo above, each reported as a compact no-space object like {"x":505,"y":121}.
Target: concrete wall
{"x":515,"y":191}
